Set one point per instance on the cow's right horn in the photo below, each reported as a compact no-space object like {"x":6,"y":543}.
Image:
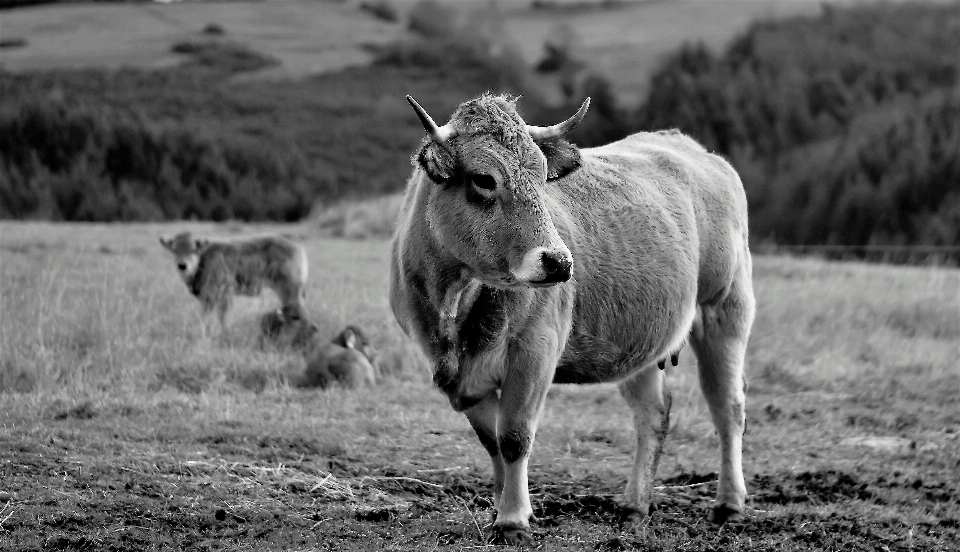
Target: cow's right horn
{"x":542,"y":134}
{"x":437,"y":134}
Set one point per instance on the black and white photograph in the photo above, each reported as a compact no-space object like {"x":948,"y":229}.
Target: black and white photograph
{"x":477,"y":275}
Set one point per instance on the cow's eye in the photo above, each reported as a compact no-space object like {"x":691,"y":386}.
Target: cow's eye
{"x":484,"y":183}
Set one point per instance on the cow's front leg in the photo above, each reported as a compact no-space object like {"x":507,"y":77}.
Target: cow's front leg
{"x":483,"y":418}
{"x":522,"y":395}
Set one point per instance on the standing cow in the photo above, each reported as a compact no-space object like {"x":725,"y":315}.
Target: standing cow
{"x":216,"y":271}
{"x":521,"y":260}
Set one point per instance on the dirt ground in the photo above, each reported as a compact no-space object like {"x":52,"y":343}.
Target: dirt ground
{"x":122,"y":430}
{"x":96,"y":478}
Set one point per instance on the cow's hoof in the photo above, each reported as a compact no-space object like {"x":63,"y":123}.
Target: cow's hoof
{"x":632,"y":516}
{"x":493,"y":519}
{"x":724,"y":513}
{"x":510,"y":534}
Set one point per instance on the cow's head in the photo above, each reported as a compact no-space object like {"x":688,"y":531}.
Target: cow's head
{"x":488,"y":208}
{"x":186,"y":250}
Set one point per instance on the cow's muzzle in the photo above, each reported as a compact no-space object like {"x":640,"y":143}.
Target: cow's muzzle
{"x":543,"y":266}
{"x":557,"y":266}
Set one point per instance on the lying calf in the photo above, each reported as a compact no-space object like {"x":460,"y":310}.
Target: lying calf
{"x":348,"y":360}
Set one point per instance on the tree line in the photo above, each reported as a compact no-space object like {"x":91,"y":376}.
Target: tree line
{"x":845,"y":128}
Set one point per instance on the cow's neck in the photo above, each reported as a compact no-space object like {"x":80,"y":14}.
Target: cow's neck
{"x":458,"y":298}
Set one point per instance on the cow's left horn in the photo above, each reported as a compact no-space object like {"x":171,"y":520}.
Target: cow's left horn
{"x":539,"y":133}
{"x":437,"y":134}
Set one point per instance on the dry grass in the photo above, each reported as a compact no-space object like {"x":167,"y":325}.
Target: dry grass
{"x":101,"y":350}
{"x":370,"y":218}
{"x":90,"y":308}
{"x":101,"y":309}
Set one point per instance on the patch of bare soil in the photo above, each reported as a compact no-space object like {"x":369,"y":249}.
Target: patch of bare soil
{"x":78,"y":488}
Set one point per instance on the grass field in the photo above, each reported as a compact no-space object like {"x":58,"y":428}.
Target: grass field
{"x":624,"y":42}
{"x":122,"y":428}
{"x":308,"y":37}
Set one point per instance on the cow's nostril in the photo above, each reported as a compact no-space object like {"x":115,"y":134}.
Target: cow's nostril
{"x":556,"y":267}
{"x":182,"y":266}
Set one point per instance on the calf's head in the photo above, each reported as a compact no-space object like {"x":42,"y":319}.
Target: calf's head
{"x":489,"y":208}
{"x":186,"y":251}
{"x":352,"y":337}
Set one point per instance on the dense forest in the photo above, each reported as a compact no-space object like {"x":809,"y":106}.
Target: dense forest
{"x":845,"y":128}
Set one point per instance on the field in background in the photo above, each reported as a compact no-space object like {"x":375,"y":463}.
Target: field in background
{"x":124,"y":429}
{"x":628,"y":42}
{"x":623,"y":42}
{"x":308,"y":37}
{"x":869,"y":104}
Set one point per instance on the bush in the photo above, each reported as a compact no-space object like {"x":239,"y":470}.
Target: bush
{"x":214,"y":29}
{"x":16,"y":42}
{"x":430,"y":19}
{"x":375,"y":217}
{"x":80,"y":164}
{"x":381,"y":9}
{"x":225,"y":56}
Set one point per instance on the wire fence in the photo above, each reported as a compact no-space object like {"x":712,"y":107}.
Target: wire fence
{"x":934,"y":255}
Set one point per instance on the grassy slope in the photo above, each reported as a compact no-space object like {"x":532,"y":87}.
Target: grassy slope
{"x":627,"y":43}
{"x":130,"y":431}
{"x":307,"y":36}
{"x":624,"y":43}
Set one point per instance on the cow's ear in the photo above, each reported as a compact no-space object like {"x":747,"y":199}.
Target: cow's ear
{"x":562,"y":157}
{"x":349,"y":339}
{"x":166,"y":242}
{"x":201,"y":243}
{"x":436,"y":161}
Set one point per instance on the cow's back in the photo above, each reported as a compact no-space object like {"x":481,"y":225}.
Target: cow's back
{"x":274,"y":261}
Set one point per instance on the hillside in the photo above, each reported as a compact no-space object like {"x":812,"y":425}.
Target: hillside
{"x":842,"y":132}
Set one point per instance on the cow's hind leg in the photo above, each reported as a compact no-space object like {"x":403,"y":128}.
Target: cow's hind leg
{"x":483,"y":418}
{"x":649,"y":399}
{"x":719,"y":339}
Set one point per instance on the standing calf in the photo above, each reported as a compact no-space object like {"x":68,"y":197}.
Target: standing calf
{"x":216,"y":271}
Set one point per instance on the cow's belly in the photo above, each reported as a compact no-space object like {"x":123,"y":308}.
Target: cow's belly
{"x":602,"y":356}
{"x":636,"y":297}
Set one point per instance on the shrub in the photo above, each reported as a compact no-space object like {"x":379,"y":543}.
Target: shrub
{"x":80,"y":164}
{"x":381,"y":9}
{"x":431,"y":19}
{"x":16,"y":42}
{"x":376,"y":217}
{"x":215,"y":29}
{"x":224,"y":56}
